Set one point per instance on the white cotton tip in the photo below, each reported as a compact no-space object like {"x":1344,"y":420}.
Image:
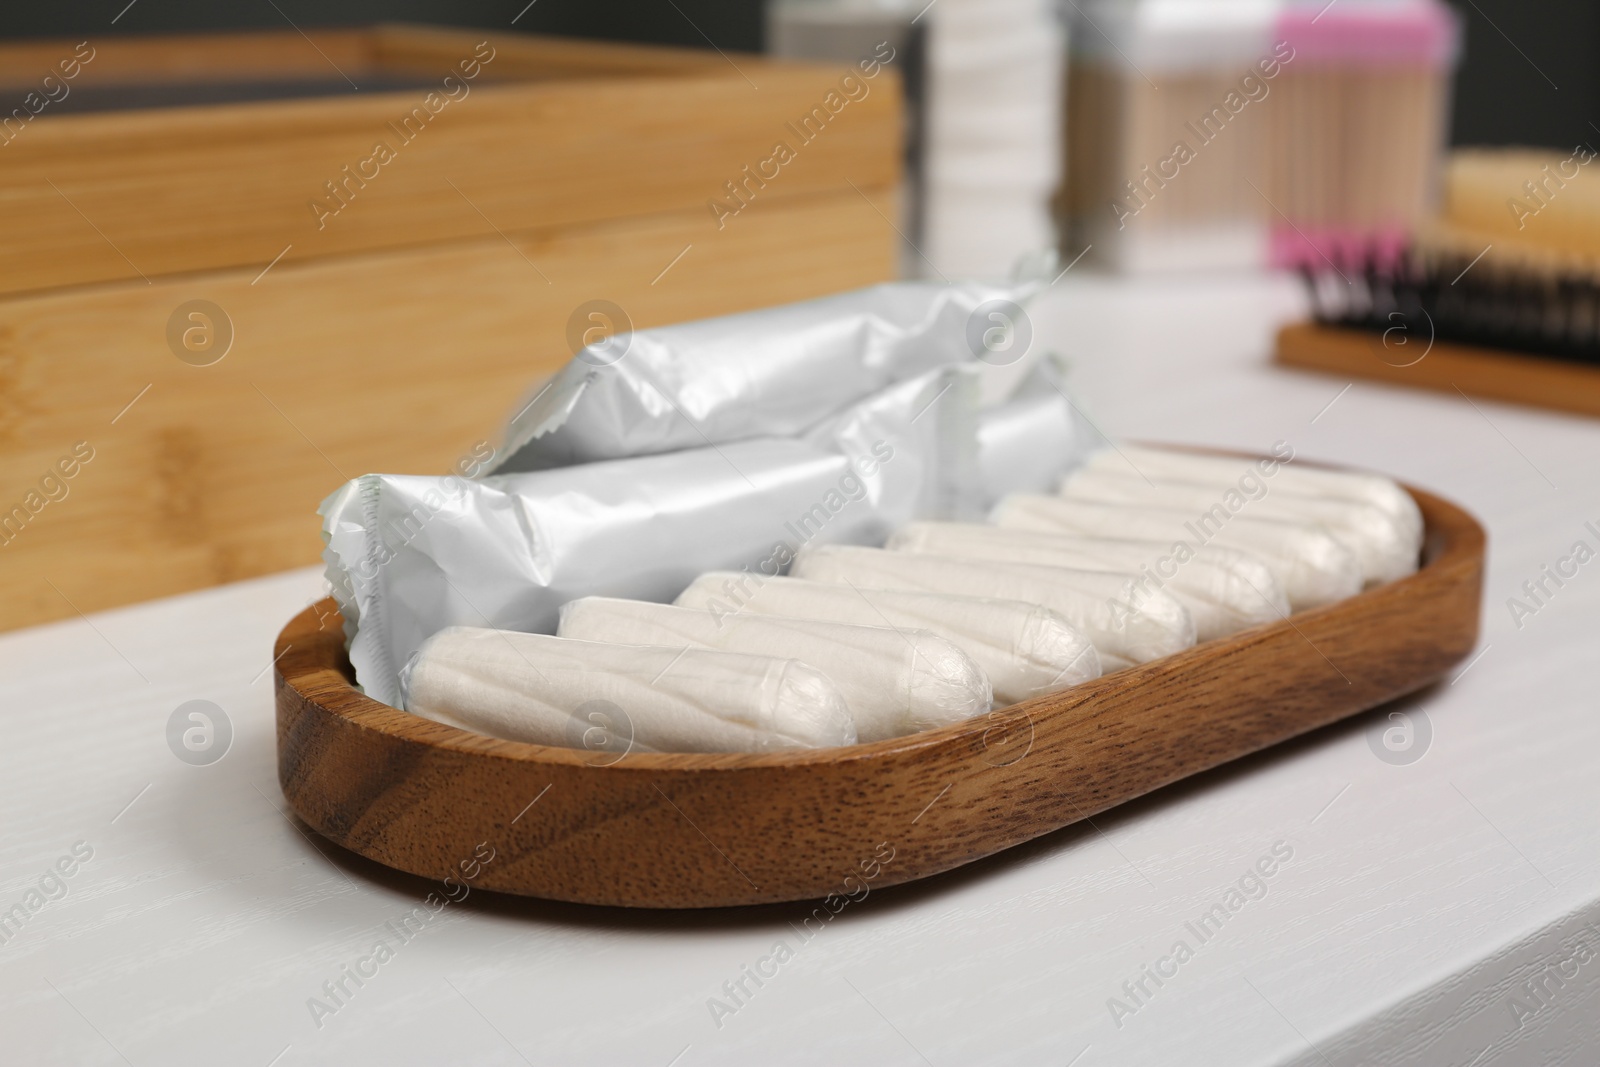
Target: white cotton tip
{"x":1375,"y":537}
{"x":623,"y":698}
{"x":945,"y":686}
{"x":809,"y":709}
{"x":1382,"y":493}
{"x":1057,"y":656}
{"x":1127,"y":623}
{"x":1224,"y":590}
{"x":1025,"y":650}
{"x":1312,"y":567}
{"x":896,"y":681}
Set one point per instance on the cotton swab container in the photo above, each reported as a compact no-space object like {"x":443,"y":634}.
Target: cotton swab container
{"x":1246,"y":133}
{"x":1165,"y":131}
{"x":1357,"y":140}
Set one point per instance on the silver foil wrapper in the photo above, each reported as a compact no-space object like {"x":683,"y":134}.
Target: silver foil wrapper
{"x":768,"y":373}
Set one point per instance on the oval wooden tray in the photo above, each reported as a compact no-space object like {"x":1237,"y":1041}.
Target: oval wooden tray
{"x":692,"y":830}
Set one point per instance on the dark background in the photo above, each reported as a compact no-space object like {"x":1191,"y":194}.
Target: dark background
{"x":1531,"y":71}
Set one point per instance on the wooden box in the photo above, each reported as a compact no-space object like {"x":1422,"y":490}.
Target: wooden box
{"x":231,"y":281}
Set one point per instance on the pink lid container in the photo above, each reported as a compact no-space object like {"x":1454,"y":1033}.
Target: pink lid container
{"x":1353,"y":32}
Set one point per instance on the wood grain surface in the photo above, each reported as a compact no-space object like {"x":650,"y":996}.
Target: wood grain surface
{"x":214,"y":473}
{"x":697,"y":830}
{"x":536,"y":142}
{"x":323,"y":53}
{"x":1452,"y":368}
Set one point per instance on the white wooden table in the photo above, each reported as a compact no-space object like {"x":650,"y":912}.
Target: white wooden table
{"x":1420,"y":900}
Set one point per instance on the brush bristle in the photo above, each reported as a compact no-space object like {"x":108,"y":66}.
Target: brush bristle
{"x":1450,"y":297}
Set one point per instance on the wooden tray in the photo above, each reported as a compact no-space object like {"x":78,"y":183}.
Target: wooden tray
{"x":1487,"y":372}
{"x":694,"y":830}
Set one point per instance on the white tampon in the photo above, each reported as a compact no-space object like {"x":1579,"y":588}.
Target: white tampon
{"x":554,"y":691}
{"x":1312,"y":567}
{"x":1225,"y":590}
{"x":1127,"y":625}
{"x":1374,"y":535}
{"x":1026,"y":650}
{"x":895,"y":681}
{"x":1276,"y":470}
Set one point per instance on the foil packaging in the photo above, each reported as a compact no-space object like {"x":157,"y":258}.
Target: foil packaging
{"x":768,"y":373}
{"x":725,"y":444}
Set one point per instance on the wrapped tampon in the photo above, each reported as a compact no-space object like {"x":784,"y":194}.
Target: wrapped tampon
{"x":773,"y":372}
{"x":408,"y":556}
{"x":553,"y":691}
{"x":895,"y":681}
{"x":1372,"y":534}
{"x":1032,"y":439}
{"x":1312,"y":567}
{"x":1128,"y":623}
{"x":1224,"y":589}
{"x":1025,"y":650}
{"x":1225,"y":472}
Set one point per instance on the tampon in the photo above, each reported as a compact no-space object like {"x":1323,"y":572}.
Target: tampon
{"x":1025,"y":649}
{"x":1127,"y":624}
{"x":554,"y":691}
{"x":1222,"y":471}
{"x":1225,"y":590}
{"x":1374,"y":535}
{"x":895,"y":681}
{"x":1311,"y":566}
